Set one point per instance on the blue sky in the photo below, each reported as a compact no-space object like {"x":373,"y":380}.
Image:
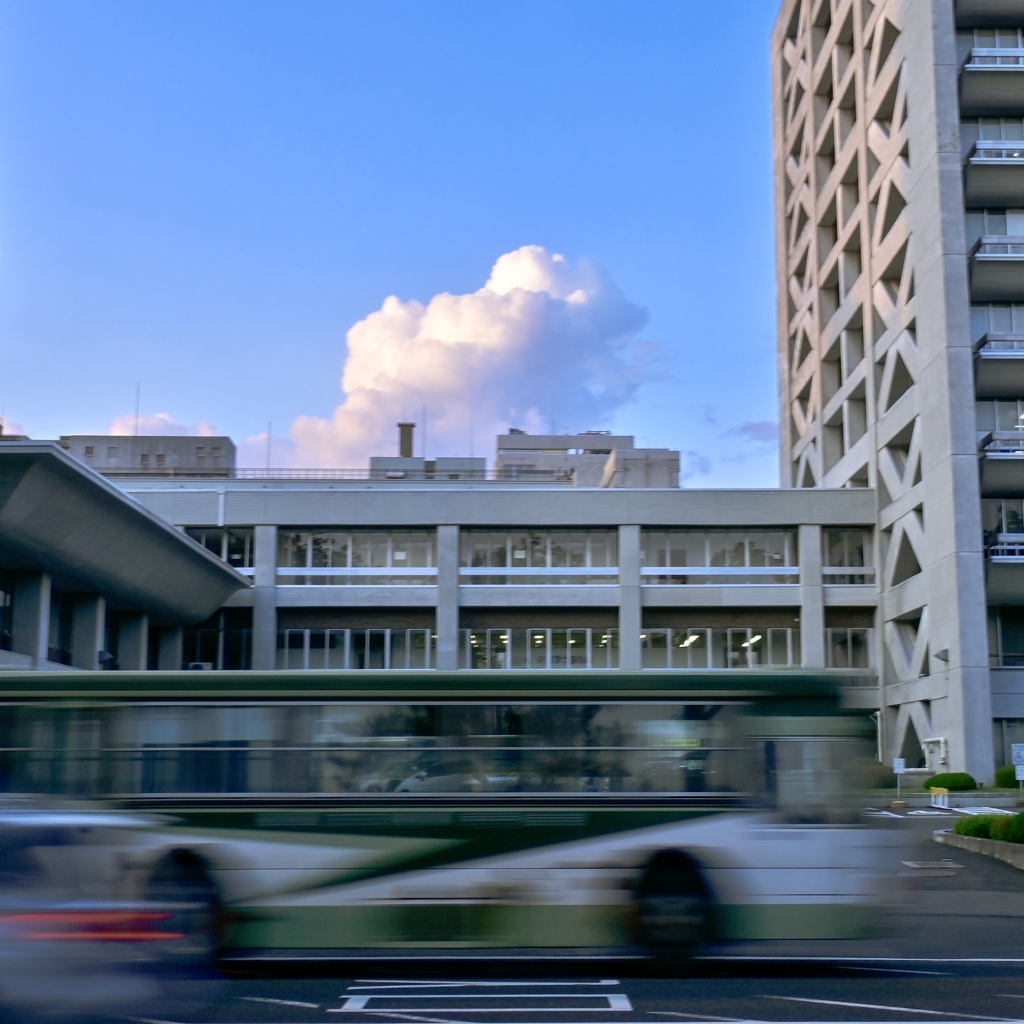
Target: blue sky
{"x":205,"y":197}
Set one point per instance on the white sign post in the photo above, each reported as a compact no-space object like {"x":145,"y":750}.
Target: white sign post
{"x":1018,"y":774}
{"x":899,"y":766}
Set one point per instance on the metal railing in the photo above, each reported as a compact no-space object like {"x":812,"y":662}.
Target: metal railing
{"x":996,"y":150}
{"x":1006,"y":550}
{"x":1002,"y":442}
{"x":993,"y":343}
{"x":998,"y":245}
{"x":994,"y":56}
{"x":719,"y":575}
{"x":546,"y":476}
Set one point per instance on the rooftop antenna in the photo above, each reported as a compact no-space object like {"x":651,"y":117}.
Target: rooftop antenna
{"x":424,"y":433}
{"x":138,"y":395}
{"x":270,"y":428}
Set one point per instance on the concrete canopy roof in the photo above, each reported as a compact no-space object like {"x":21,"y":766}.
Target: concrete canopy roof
{"x":60,"y":517}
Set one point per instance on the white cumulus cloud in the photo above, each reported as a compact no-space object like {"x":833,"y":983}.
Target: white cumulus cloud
{"x":544,"y":336}
{"x":161,"y":424}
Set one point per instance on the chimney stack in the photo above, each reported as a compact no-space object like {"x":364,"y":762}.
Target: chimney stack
{"x":405,"y":439}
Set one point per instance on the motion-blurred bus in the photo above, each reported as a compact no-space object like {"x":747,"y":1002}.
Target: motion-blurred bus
{"x":321,"y":811}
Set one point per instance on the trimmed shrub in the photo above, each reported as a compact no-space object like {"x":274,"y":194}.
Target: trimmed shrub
{"x":1011,"y":828}
{"x":997,"y":830}
{"x":1006,"y":778}
{"x":867,"y":773}
{"x":978,"y":826}
{"x":952,"y":781}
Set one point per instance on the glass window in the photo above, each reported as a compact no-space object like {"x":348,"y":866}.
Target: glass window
{"x":654,"y":648}
{"x":547,"y":551}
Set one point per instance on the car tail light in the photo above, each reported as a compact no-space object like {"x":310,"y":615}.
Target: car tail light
{"x":92,"y":925}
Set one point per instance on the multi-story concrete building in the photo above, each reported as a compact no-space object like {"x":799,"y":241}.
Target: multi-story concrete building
{"x":398,"y":569}
{"x":898,"y":135}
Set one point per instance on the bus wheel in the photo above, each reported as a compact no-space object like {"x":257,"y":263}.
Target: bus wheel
{"x":674,"y":908}
{"x":182,"y":883}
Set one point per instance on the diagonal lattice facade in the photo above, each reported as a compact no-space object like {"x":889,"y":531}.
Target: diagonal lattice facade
{"x":875,"y":348}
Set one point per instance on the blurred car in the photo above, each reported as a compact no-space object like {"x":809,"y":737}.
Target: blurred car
{"x":70,"y":944}
{"x":458,"y":775}
{"x":386,"y":778}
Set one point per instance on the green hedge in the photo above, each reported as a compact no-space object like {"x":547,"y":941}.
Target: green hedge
{"x":952,"y":781}
{"x":978,"y":826}
{"x":1008,"y":828}
{"x":1006,"y":778}
{"x":1011,"y":829}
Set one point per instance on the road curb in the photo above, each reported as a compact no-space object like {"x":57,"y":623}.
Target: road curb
{"x":1008,"y":853}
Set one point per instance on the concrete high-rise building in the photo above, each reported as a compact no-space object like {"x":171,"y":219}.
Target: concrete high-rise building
{"x":899,"y":208}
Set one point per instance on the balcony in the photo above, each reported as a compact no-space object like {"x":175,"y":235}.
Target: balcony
{"x":992,"y":83}
{"x":996,"y":265}
{"x":994,"y":174}
{"x":999,"y":366}
{"x":1002,"y":464}
{"x":1004,"y":573}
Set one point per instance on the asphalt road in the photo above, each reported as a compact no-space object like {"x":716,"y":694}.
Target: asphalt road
{"x":952,"y":948}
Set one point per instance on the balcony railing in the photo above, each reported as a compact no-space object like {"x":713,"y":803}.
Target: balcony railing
{"x":1000,"y":344}
{"x":1002,"y":442}
{"x":378,"y":576}
{"x":848,"y":575}
{"x":719,"y":575}
{"x":994,"y":56}
{"x":997,"y":150}
{"x":1006,"y":550}
{"x":999,"y":245}
{"x":994,"y":174}
{"x":539,"y":576}
{"x":996,"y":265}
{"x":522,"y":476}
{"x":992,"y":83}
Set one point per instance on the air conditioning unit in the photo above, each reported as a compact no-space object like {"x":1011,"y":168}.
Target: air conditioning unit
{"x":201,"y":666}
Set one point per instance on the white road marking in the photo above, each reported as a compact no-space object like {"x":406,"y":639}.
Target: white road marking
{"x":900,"y":970}
{"x":873,"y":959}
{"x":408,"y":1016}
{"x":930,"y":864}
{"x":377,"y":986}
{"x":618,"y":1002}
{"x":281,"y":1002}
{"x":705,"y":1016}
{"x":892,"y":1009}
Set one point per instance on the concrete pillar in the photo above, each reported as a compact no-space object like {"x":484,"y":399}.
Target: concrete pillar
{"x":133,"y":642}
{"x":448,"y":597}
{"x":264,"y":606}
{"x":88,"y":631}
{"x":812,"y":610}
{"x":30,"y":626}
{"x":630,"y":608}
{"x":171,"y":653}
